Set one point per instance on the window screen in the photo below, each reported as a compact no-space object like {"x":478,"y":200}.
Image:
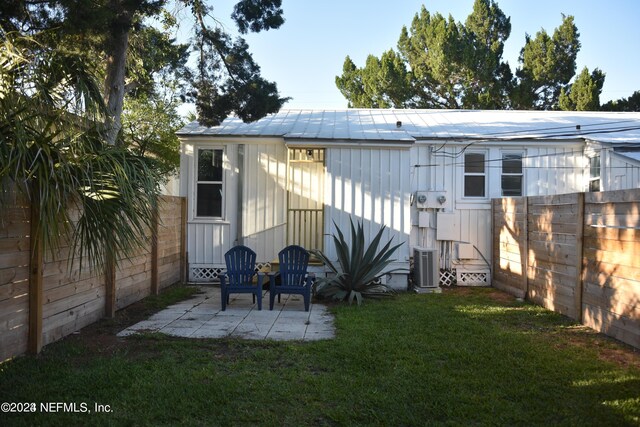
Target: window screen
{"x":511,"y":181}
{"x":594,"y":173}
{"x":474,"y":175}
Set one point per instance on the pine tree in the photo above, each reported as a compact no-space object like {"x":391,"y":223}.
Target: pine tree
{"x":631,"y":103}
{"x":547,"y":65}
{"x":447,"y":64}
{"x":225,"y":80}
{"x":584,"y":93}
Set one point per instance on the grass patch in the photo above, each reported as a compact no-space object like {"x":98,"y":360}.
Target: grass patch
{"x":169,"y":296}
{"x":469,"y":356}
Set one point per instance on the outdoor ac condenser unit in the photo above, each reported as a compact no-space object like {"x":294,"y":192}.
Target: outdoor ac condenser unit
{"x":426,"y":273}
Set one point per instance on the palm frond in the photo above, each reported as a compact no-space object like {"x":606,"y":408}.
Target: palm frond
{"x":98,"y":199}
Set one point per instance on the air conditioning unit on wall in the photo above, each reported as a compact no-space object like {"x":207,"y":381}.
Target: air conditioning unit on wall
{"x":426,"y":273}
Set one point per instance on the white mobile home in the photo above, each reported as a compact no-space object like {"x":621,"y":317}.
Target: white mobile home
{"x":427,"y":175}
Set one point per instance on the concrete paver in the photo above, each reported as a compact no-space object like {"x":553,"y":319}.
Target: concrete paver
{"x":202,"y":317}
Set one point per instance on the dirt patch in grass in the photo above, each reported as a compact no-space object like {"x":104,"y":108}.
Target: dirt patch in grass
{"x":608,"y":349}
{"x":492,"y":293}
{"x":100,"y":338}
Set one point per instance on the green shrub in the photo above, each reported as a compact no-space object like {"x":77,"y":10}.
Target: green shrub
{"x":359,"y":267}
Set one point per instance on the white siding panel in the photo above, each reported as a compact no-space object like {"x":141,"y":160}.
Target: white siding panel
{"x":208,"y":242}
{"x":264,"y":189}
{"x":553,"y":170}
{"x":372,"y":186}
{"x":267,"y":243}
{"x":620,"y":174}
{"x":547,"y":169}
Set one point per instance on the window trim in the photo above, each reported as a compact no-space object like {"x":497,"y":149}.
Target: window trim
{"x":484,"y":174}
{"x":593,"y":178}
{"x":222,"y":217}
{"x":520,"y":153}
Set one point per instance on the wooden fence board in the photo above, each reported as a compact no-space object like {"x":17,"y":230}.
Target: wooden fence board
{"x":583,"y":257}
{"x":619,"y":327}
{"x":72,"y":299}
{"x":553,"y":200}
{"x":597,"y":268}
{"x":14,"y":315}
{"x":622,"y":304}
{"x":66,"y":322}
{"x":16,"y":280}
{"x":628,"y":259}
{"x":617,"y":196}
{"x":538,"y":225}
{"x":625,"y":235}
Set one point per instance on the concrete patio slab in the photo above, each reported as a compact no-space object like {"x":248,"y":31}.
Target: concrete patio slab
{"x":202,"y":317}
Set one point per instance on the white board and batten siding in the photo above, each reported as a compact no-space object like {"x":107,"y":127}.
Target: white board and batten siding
{"x":253,"y":169}
{"x":371,"y":185}
{"x":208,"y":239}
{"x":547,"y":168}
{"x":620,"y":172}
{"x":264,"y":205}
{"x":376,"y":160}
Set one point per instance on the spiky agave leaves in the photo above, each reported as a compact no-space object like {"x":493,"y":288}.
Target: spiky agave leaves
{"x":360,"y":266}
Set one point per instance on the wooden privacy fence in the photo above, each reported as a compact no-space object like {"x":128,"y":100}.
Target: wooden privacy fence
{"x":44,"y":298}
{"x":577,"y":254}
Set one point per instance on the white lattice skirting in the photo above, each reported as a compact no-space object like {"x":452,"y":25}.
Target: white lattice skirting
{"x":211,"y":274}
{"x":447,"y":277}
{"x":473,"y":278}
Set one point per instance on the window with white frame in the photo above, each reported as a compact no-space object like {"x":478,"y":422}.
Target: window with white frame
{"x":512,"y":176}
{"x":594,"y":173}
{"x":209,"y":183}
{"x":475,"y":176}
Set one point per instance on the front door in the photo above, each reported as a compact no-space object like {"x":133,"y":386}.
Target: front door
{"x":305,"y":216}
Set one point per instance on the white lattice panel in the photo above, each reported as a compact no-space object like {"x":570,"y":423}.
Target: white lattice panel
{"x":212,"y":274}
{"x":447,"y":277}
{"x":205,"y":274}
{"x":263,"y":266}
{"x":473,"y":278}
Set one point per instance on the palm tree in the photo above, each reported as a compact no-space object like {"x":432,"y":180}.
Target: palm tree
{"x":98,"y":198}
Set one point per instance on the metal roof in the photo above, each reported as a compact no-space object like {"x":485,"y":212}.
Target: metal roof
{"x":635,"y":155}
{"x":381,"y":125}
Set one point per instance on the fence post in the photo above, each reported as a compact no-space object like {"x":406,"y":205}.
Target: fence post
{"x":154,"y":250}
{"x":579,"y":255}
{"x":34,"y":343}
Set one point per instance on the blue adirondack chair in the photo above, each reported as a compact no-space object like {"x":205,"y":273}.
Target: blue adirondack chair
{"x":241,"y":268}
{"x":294,"y":278}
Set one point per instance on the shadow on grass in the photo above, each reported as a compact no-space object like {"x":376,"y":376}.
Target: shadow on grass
{"x":462,"y":357}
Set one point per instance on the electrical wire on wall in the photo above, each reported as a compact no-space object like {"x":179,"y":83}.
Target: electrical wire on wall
{"x":527,"y":135}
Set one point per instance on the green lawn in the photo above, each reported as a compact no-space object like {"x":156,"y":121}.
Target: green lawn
{"x":466,"y":356}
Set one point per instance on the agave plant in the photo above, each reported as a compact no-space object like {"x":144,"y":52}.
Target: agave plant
{"x":359,"y":268}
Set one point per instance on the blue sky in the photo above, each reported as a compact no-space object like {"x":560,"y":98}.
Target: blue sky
{"x":307,"y":52}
